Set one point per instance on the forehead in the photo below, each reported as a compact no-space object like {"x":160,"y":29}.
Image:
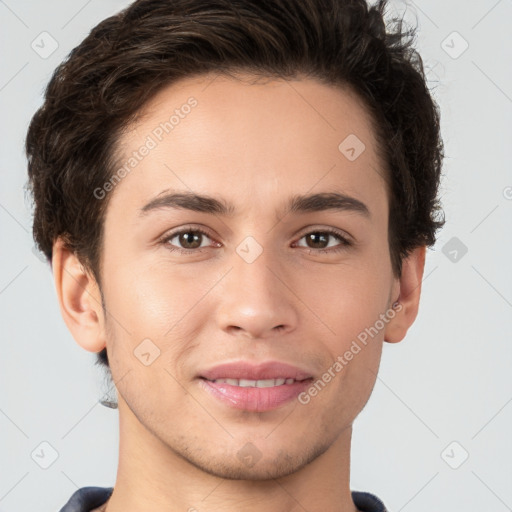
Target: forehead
{"x":222,"y":135}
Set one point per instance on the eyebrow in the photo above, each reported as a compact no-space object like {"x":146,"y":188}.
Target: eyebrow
{"x":297,"y":204}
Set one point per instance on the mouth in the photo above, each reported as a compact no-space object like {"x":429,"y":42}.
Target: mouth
{"x":257,"y":387}
{"x":260,"y":383}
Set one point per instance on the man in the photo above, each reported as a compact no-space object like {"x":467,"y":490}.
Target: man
{"x":236,"y":199}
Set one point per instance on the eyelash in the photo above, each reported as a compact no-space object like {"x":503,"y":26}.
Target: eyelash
{"x":343,"y":245}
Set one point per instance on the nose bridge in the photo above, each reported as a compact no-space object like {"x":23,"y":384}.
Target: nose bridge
{"x":252,"y":264}
{"x":253,"y":297}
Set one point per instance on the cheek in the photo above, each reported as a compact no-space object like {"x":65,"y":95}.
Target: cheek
{"x":154,"y":298}
{"x":346,"y":298}
{"x":156,"y":304}
{"x":350,"y":311}
{"x":349,"y":303}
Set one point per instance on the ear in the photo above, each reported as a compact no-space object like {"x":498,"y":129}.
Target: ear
{"x":79,"y":299}
{"x":409,"y":285}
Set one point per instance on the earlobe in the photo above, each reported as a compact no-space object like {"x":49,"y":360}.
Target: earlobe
{"x":79,"y":299}
{"x":410,"y":290}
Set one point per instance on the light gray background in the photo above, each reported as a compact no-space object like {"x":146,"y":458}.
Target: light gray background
{"x":448,"y":381}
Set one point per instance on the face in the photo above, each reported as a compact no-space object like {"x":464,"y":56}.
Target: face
{"x":250,"y":277}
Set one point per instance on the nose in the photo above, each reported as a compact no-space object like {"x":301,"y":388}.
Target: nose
{"x":256,"y":299}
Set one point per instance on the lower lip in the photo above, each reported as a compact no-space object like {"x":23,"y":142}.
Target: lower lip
{"x":255,"y":399}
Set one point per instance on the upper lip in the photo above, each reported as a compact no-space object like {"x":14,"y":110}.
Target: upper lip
{"x":254,"y":371}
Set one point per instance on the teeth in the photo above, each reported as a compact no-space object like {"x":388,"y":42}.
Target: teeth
{"x":263,"y":383}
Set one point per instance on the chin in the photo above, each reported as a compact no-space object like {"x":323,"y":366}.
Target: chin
{"x":249,"y":464}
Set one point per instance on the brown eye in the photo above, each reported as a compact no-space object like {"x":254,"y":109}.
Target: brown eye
{"x":186,"y":240}
{"x":314,"y":240}
{"x":190,"y":239}
{"x":319,"y":241}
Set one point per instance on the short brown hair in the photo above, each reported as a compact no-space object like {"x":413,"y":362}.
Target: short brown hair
{"x":103,"y":83}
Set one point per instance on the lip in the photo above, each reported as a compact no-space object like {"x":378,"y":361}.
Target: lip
{"x":253,"y":398}
{"x":252,"y":371}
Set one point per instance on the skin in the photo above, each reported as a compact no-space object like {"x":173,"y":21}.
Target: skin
{"x":254,"y":145}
